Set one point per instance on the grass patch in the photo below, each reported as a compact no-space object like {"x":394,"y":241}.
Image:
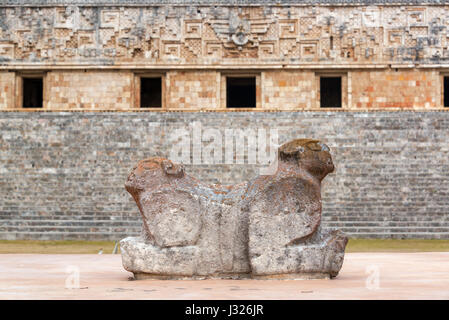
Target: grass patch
{"x":397,"y":245}
{"x":93,"y":247}
{"x":53,"y":247}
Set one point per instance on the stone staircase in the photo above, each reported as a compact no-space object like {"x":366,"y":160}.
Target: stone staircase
{"x":399,"y":227}
{"x":68,"y":227}
{"x":101,"y":226}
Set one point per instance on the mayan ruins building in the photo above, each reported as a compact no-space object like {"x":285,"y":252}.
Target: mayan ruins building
{"x":88,"y":87}
{"x":292,"y":55}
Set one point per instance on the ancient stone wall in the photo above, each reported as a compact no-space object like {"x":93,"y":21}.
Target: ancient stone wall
{"x":265,"y":33}
{"x":62,"y":174}
{"x":199,"y":90}
{"x":90,"y":90}
{"x":289,"y":90}
{"x":396,"y":89}
{"x":193,"y":90}
{"x":378,"y":48}
{"x":7,"y":86}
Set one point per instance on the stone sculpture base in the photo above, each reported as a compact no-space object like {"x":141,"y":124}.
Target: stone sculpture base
{"x":288,"y":276}
{"x":319,"y":257}
{"x":264,"y":228}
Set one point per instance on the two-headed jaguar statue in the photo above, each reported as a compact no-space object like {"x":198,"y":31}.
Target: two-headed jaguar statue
{"x":268,"y":227}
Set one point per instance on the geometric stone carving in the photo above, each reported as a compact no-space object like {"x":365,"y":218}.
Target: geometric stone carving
{"x":268,"y":227}
{"x":309,"y":50}
{"x":193,"y":29}
{"x":7,"y":50}
{"x":288,"y":29}
{"x":239,"y":29}
{"x":159,"y":34}
{"x":110,"y":19}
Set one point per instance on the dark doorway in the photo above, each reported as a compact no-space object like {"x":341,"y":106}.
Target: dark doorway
{"x":446,"y":91}
{"x":151,"y":92}
{"x":330,"y":92}
{"x":240,"y":92}
{"x":33,"y":89}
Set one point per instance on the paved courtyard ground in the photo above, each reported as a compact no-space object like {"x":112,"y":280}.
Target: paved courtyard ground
{"x":422,"y":275}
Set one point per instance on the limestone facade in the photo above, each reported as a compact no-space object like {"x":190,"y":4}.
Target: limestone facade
{"x":91,"y":55}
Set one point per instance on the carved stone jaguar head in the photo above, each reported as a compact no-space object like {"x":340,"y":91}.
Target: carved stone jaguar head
{"x":150,"y":172}
{"x":311,"y":155}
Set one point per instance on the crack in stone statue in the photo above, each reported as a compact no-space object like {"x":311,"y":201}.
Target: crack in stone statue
{"x":266,"y":228}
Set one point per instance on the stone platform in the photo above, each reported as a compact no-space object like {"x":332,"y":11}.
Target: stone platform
{"x":401,"y":276}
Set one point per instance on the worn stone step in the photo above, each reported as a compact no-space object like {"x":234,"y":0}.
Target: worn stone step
{"x":385,"y":218}
{"x":118,"y":236}
{"x":31,"y":223}
{"x":395,"y":229}
{"x":386,"y":223}
{"x":127,"y":223}
{"x":69,"y":229}
{"x":80,"y":217}
{"x":92,"y":236}
{"x":102,"y":216}
{"x":399,"y":235}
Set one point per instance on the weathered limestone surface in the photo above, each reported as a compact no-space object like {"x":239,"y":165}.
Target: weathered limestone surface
{"x":378,"y":47}
{"x":390,"y":181}
{"x":260,"y":32}
{"x":267,"y":227}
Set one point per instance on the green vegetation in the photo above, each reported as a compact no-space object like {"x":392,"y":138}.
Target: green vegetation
{"x":53,"y":247}
{"x":93,"y":247}
{"x":397,"y":245}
